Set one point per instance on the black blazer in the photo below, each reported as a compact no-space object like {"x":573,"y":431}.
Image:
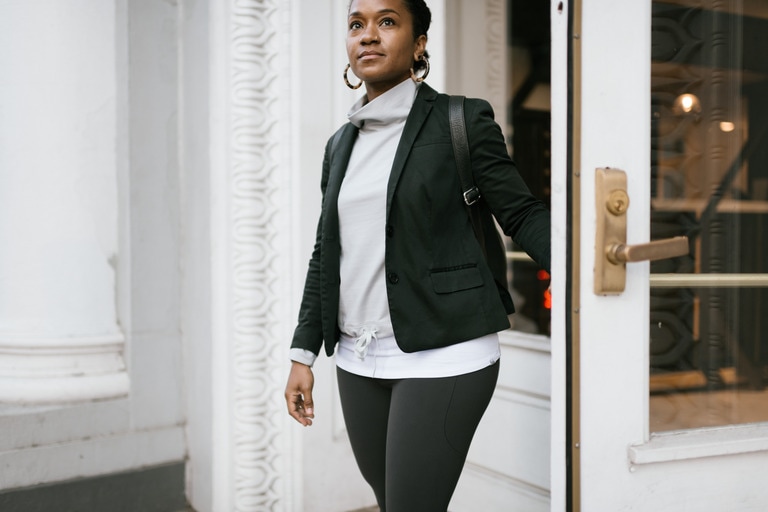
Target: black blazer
{"x":439,"y":287}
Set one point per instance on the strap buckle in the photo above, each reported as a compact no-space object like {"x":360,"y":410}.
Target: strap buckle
{"x":472,"y":196}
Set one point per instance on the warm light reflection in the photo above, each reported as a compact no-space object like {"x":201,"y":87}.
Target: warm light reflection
{"x":687,"y":104}
{"x":727,"y":126}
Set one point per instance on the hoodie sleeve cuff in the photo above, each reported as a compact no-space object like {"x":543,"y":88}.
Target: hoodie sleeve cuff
{"x":303,"y":356}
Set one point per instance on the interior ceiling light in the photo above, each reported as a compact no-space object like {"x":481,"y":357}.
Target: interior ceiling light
{"x":687,"y":104}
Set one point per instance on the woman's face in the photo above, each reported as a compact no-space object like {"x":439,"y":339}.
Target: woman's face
{"x":380,"y":43}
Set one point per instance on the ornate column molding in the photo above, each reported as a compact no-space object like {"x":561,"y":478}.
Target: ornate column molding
{"x":256,"y":145}
{"x":477,"y":66}
{"x":496,"y":58}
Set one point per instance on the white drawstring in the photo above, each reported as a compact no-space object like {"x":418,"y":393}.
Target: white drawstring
{"x":362,"y":342}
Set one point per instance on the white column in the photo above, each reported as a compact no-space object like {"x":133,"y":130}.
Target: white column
{"x":60,"y":339}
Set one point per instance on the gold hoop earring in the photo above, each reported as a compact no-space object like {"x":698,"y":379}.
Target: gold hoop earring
{"x":419,"y":79}
{"x":346,"y":80}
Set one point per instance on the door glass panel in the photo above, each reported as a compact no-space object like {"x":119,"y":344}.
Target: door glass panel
{"x":709,"y":172}
{"x":530,"y":146}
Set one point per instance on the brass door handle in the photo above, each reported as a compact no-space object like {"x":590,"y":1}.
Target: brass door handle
{"x":651,"y":251}
{"x":611,"y":250}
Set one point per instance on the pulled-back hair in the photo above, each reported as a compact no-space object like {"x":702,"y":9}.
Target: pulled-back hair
{"x":422,"y":18}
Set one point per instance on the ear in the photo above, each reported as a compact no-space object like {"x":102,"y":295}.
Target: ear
{"x":419,"y":47}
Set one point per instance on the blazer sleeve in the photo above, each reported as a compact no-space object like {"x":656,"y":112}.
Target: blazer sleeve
{"x":521,"y":216}
{"x":308,"y":334}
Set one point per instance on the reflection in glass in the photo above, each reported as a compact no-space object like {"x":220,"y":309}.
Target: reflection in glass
{"x":529,"y":117}
{"x":709,"y":161}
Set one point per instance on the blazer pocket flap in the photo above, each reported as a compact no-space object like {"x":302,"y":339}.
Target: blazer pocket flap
{"x":454,"y":280}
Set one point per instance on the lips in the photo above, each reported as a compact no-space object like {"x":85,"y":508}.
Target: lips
{"x":369,"y":54}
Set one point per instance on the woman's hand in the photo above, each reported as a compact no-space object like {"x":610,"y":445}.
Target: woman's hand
{"x":298,"y":393}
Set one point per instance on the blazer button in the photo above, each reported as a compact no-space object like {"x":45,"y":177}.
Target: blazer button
{"x":390,"y":231}
{"x":393,"y":278}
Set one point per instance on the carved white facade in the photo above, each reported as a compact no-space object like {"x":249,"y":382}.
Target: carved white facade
{"x":257,"y":210}
{"x":205,"y":123}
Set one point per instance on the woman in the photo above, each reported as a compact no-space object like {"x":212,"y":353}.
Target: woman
{"x":397,"y":284}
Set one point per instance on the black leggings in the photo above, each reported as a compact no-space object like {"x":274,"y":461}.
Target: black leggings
{"x":410,"y":437}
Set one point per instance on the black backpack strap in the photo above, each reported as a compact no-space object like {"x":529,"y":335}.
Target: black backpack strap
{"x":464,"y":165}
{"x":461,"y":149}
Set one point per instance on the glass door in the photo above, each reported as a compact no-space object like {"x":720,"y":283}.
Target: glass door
{"x":668,"y":367}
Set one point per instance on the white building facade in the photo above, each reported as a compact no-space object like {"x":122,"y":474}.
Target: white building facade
{"x":159,"y":190}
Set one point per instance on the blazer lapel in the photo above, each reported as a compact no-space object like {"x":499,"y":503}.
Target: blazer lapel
{"x":341,"y":149}
{"x":422,"y":105}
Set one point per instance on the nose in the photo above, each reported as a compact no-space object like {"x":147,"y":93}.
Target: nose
{"x":370,"y":35}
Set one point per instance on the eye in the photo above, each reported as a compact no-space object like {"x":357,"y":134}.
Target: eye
{"x":388,"y":22}
{"x":355,"y":25}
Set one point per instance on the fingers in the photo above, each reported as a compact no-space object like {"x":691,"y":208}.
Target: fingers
{"x":309,"y":406}
{"x":298,"y":412}
{"x":298,"y":394}
{"x":299,"y":409}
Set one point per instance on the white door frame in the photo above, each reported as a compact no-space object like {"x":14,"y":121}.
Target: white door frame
{"x":559,"y":14}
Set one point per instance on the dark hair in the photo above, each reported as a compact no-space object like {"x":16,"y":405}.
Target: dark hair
{"x":422,"y":18}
